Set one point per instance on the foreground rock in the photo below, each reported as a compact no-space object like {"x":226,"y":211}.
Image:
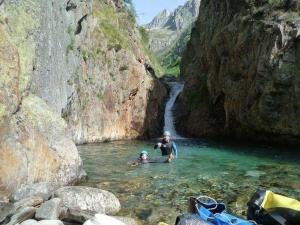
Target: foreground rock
{"x":88,"y":199}
{"x":242,"y":71}
{"x":49,"y":210}
{"x":50,"y":222}
{"x":30,"y":222}
{"x":24,"y":214}
{"x":101,"y":219}
{"x":30,"y":201}
{"x":43,"y":190}
{"x":6,"y":210}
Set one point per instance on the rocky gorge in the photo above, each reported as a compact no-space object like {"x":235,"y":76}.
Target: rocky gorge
{"x":69,"y":74}
{"x":241,"y":69}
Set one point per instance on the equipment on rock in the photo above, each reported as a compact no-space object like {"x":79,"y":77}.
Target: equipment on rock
{"x":268,"y":208}
{"x":208,"y":209}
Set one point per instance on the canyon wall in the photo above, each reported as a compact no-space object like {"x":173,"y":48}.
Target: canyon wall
{"x":69,"y":73}
{"x":242,"y":72}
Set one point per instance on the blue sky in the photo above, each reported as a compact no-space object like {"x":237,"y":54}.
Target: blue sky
{"x":147,"y":9}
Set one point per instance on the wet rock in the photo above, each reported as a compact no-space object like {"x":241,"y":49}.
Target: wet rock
{"x":88,"y":199}
{"x":49,"y":210}
{"x":101,"y":219}
{"x":50,"y":222}
{"x":190,"y":219}
{"x":6,"y":210}
{"x":43,"y":190}
{"x":29,"y":222}
{"x":24,"y":214}
{"x":30,"y":201}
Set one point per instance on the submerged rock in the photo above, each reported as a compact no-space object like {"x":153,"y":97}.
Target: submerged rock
{"x":89,"y":199}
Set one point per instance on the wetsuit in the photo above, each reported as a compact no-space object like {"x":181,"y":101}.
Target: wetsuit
{"x":168,"y":148}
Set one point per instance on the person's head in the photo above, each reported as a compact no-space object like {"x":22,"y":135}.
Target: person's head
{"x":144,"y":155}
{"x":167,"y":136}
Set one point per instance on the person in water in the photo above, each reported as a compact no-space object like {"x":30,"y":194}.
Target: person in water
{"x":167,"y":146}
{"x":143,"y":159}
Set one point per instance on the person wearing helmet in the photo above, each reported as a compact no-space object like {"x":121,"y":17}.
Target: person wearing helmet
{"x":167,"y":146}
{"x":143,"y":159}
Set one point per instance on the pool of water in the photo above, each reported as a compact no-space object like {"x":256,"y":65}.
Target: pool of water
{"x":158,"y":192}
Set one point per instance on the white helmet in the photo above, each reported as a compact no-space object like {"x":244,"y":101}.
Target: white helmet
{"x":167,"y":133}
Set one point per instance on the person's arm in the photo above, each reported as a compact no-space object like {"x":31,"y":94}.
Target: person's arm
{"x":174,"y":147}
{"x":158,"y":145}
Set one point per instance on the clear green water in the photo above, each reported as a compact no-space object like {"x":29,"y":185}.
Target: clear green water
{"x":159,"y":192}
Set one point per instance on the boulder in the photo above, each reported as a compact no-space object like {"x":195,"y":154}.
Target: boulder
{"x":29,"y":222}
{"x":49,"y":210}
{"x":89,"y":199}
{"x":101,"y":219}
{"x":50,"y":222}
{"x":24,"y":214}
{"x":43,"y":190}
{"x":30,"y":201}
{"x":190,"y":219}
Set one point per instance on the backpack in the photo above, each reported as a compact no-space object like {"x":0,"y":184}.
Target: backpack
{"x":269,"y":208}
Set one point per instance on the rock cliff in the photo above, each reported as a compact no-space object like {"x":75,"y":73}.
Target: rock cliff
{"x":242,"y":72}
{"x":69,"y":74}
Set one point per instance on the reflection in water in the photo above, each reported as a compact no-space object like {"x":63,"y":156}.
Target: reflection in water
{"x":159,"y":192}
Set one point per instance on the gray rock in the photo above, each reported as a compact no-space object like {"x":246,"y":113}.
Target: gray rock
{"x":79,"y":216}
{"x":39,"y":189}
{"x":24,"y":214}
{"x":50,"y":222}
{"x":126,"y":220}
{"x":29,"y":222}
{"x":49,"y":210}
{"x":30,"y":201}
{"x":6,"y":210}
{"x":88,"y":199}
{"x":190,"y":219}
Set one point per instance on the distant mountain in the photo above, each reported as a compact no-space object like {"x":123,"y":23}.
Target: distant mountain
{"x":169,"y":32}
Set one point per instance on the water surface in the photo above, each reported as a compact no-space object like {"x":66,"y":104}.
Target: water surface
{"x":158,"y":192}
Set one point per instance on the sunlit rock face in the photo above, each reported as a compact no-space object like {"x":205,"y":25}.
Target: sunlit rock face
{"x":242,"y":71}
{"x":69,"y":74}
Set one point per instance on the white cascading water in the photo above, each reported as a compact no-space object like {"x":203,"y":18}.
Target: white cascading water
{"x":176,"y":89}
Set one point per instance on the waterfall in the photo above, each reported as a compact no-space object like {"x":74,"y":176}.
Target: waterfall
{"x":176,"y":89}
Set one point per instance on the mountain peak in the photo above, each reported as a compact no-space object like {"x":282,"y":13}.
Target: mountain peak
{"x":179,"y":19}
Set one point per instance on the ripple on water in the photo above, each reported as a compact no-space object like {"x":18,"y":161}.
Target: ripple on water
{"x":159,"y":192}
